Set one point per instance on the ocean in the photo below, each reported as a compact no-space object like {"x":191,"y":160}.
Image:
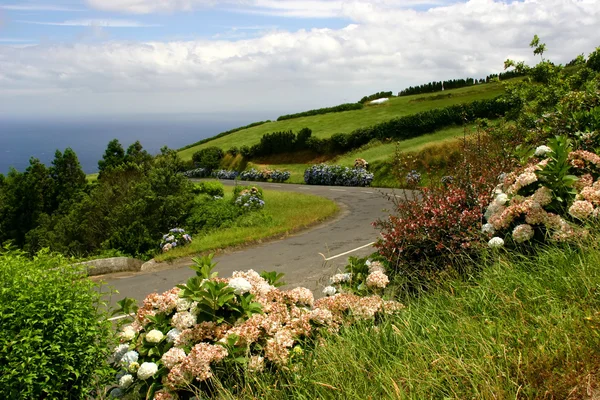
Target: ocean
{"x":21,"y":139}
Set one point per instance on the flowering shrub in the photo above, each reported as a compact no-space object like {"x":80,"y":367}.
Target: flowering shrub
{"x":250,"y":199}
{"x":361,"y":163}
{"x":175,"y":238}
{"x":433,"y":229}
{"x":212,"y":327}
{"x":265,"y":175}
{"x":336,"y":175}
{"x":197,"y":173}
{"x":224,"y":174}
{"x":549,"y":199}
{"x":362,"y":277}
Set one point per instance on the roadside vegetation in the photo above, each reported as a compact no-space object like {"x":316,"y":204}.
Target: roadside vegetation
{"x":485,"y":285}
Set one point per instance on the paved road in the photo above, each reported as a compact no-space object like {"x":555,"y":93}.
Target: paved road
{"x":307,"y":258}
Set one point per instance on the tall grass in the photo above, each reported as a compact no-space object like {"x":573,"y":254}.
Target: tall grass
{"x":518,"y":329}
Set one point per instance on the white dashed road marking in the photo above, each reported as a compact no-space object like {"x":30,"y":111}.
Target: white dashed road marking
{"x":349,"y":251}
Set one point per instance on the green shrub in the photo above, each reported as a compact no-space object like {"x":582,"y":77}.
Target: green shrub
{"x":210,"y":188}
{"x":54,"y":343}
{"x":208,"y":158}
{"x":593,"y":61}
{"x":326,"y":110}
{"x":209,"y":213}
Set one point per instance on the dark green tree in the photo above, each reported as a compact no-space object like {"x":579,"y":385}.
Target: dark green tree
{"x":593,"y":61}
{"x":114,"y":155}
{"x":208,"y":158}
{"x":137,"y":155}
{"x":69,"y":178}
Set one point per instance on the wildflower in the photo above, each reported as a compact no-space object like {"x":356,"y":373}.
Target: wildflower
{"x":329,"y":291}
{"x":125,"y":381}
{"x":240,"y":285}
{"x":496,"y":242}
{"x":154,"y":336}
{"x":542,"y":151}
{"x":581,"y":209}
{"x":147,"y":370}
{"x":522,"y":233}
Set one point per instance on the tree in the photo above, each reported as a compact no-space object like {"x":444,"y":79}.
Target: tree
{"x":593,"y":61}
{"x":137,"y":155}
{"x":208,"y":158}
{"x":538,"y":48}
{"x":69,"y":178}
{"x":114,"y":155}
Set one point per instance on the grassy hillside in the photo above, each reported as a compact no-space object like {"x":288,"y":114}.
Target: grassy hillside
{"x":324,"y":126}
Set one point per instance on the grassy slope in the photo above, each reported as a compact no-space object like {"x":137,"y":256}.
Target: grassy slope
{"x":328,"y":124}
{"x":373,"y":153}
{"x":518,"y":330}
{"x":285,"y":212}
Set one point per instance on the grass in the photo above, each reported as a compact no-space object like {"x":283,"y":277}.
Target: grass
{"x":284,"y":212}
{"x":378,"y":154}
{"x":327,"y":124}
{"x":524,"y":327}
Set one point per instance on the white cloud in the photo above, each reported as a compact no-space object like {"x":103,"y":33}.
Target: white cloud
{"x":37,"y":7}
{"x":387,"y":48}
{"x":101,"y":23}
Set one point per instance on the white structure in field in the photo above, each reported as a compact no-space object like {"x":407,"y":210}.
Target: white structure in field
{"x":378,"y":101}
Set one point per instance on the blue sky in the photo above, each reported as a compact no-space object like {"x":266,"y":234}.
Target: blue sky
{"x":109,"y":57}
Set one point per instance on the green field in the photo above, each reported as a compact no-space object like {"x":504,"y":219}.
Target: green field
{"x":325,"y":125}
{"x":374,"y":152}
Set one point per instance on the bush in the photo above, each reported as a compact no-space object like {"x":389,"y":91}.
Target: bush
{"x":224,"y":174}
{"x":248,"y":198}
{"x":208,"y":158}
{"x":210,"y":188}
{"x":378,"y":95}
{"x":265,"y":175}
{"x":223,"y":331}
{"x":336,"y":175}
{"x":54,"y":341}
{"x":327,"y":110}
{"x":175,"y":238}
{"x":210,"y":213}
{"x":593,"y":61}
{"x":197,"y":173}
{"x":239,"y":189}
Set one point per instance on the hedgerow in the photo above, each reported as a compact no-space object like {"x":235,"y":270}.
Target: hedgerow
{"x":326,"y":110}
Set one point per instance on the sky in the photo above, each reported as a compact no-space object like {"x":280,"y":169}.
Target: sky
{"x":77,"y":58}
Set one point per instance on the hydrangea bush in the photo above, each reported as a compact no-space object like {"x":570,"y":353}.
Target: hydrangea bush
{"x":336,"y":175}
{"x":197,"y":173}
{"x":225,"y":174}
{"x":265,"y":175}
{"x":361,"y":163}
{"x":553,"y":198}
{"x":175,"y":238}
{"x":250,"y":199}
{"x":362,"y":276}
{"x":226,"y":328}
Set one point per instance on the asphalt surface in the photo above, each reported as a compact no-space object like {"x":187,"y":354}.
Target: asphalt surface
{"x":306,"y":258}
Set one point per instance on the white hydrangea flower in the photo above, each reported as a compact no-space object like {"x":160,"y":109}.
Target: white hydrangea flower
{"x":183,"y":320}
{"x":541,"y":151}
{"x":127,"y":333}
{"x":340,"y":278}
{"x":496,"y":242}
{"x":488,"y":229}
{"x":522,"y":233}
{"x":125,"y":381}
{"x":154,"y":336}
{"x":329,"y":291}
{"x":240,"y":285}
{"x":129,"y":358}
{"x":183,"y":304}
{"x":501,"y":199}
{"x":147,"y":370}
{"x":173,"y":334}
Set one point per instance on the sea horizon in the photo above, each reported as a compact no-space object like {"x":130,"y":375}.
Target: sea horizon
{"x":22,"y":138}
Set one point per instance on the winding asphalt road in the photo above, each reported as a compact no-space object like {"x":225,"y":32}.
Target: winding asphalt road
{"x":307,"y":258}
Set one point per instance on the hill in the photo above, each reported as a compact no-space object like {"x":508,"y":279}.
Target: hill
{"x":323,"y":126}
